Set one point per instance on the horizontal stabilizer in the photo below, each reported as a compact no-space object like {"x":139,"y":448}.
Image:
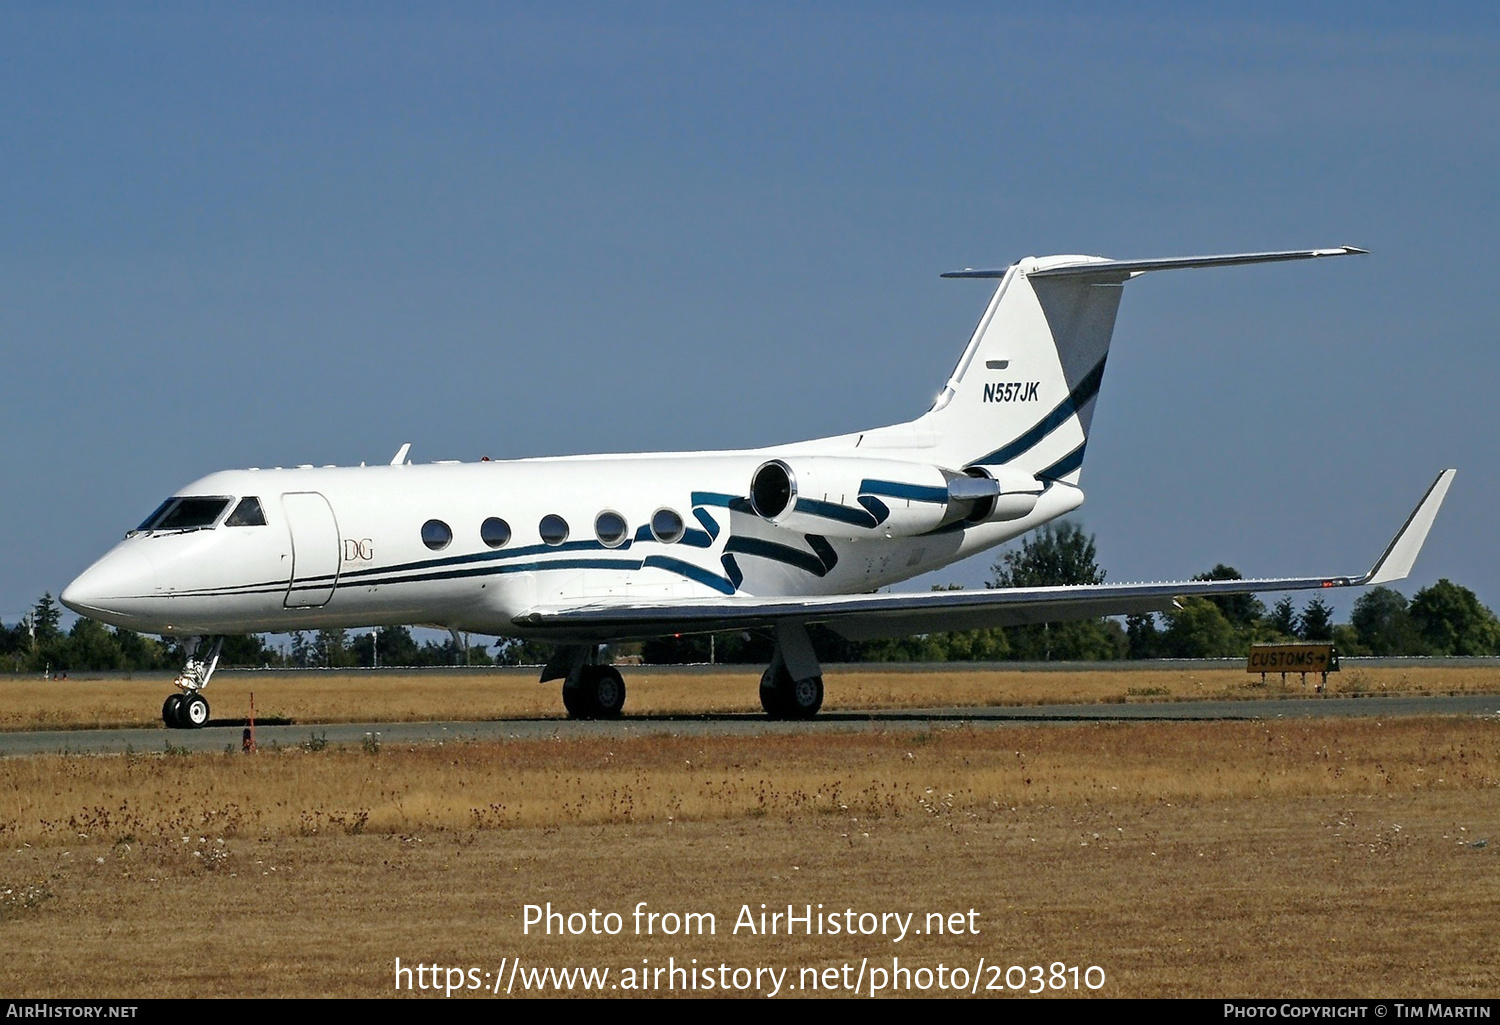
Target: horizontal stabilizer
{"x":1122,"y":269}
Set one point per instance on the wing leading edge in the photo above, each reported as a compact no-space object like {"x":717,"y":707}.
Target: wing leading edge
{"x":868,"y":616}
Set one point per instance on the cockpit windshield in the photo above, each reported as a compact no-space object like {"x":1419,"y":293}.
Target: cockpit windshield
{"x":188,"y":513}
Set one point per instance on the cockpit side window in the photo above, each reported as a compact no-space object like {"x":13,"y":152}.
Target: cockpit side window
{"x":161,"y":511}
{"x":247,"y":514}
{"x":185,"y":514}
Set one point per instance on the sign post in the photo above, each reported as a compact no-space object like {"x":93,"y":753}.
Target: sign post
{"x":1321,"y":658}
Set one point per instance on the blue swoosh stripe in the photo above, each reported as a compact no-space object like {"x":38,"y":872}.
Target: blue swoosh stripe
{"x":1064,"y":466}
{"x":805,"y":561}
{"x":837,"y":513}
{"x":712,"y":498}
{"x":709,"y":523}
{"x":876,"y":507}
{"x":732,"y":569}
{"x":826,"y":555}
{"x":698,"y":573}
{"x":1087,"y":389}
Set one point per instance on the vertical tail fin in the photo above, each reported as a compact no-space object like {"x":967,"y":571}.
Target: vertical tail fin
{"x":1024,"y":392}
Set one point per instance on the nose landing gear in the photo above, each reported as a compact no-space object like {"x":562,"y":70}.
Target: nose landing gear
{"x":189,"y":710}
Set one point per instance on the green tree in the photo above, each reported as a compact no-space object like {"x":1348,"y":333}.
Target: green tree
{"x":15,"y":641}
{"x":391,"y":646}
{"x":1451,"y":620}
{"x":515,"y":651}
{"x":140,"y":651}
{"x":45,"y":615}
{"x":91,"y":645}
{"x":1058,"y":555}
{"x":452,"y":652}
{"x":304,"y":650}
{"x":331,"y":649}
{"x":1143,"y":639}
{"x":1383,"y":625}
{"x":1316,"y":621}
{"x":1054,"y":555}
{"x":1198,"y":629}
{"x":1242,"y":610}
{"x":245,"y":650}
{"x":974,"y":646}
{"x":1346,"y":641}
{"x":1283,"y":618}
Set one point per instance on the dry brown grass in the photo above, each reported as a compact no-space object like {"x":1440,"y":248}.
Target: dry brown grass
{"x":606,"y":781}
{"x":1322,"y":857}
{"x":355,"y":696}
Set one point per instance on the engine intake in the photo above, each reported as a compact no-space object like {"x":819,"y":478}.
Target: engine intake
{"x":773,"y":489}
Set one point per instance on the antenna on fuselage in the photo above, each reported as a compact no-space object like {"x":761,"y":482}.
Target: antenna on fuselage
{"x":401,"y":455}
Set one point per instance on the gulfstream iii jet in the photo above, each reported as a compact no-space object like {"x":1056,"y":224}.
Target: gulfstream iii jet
{"x":586,"y":550}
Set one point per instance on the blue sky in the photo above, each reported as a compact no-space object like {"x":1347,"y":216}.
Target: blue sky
{"x":238,"y":235}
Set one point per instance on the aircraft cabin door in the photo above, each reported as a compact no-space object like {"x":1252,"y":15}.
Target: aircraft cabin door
{"x":316,"y":555}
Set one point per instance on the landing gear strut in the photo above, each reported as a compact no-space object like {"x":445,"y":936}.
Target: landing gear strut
{"x":792,"y":685}
{"x":590,"y":690}
{"x":189,"y":710}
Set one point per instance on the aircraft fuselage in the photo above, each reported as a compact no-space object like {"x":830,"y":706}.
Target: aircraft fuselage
{"x":462,"y":546}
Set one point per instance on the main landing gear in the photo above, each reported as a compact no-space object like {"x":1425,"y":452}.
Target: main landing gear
{"x":597,"y":692}
{"x":189,"y":710}
{"x":590,"y":690}
{"x":792,"y":685}
{"x":790,"y":688}
{"x":785,"y":698}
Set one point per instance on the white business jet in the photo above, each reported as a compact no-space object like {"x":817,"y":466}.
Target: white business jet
{"x":586,"y":550}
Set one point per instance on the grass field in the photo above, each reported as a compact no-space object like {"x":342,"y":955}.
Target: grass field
{"x":392,"y":696}
{"x":1308,"y":858}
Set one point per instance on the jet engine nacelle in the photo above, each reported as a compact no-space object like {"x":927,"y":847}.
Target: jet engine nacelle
{"x":865,"y":498}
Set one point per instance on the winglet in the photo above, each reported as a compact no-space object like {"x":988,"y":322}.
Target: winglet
{"x":400,"y":457}
{"x":1397,"y":561}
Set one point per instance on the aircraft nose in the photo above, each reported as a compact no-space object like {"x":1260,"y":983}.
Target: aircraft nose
{"x":122,"y":574}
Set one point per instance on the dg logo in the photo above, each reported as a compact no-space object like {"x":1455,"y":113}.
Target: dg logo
{"x":358,"y":551}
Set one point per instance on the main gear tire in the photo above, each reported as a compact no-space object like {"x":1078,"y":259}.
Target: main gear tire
{"x":598,"y":693}
{"x":785,"y":698}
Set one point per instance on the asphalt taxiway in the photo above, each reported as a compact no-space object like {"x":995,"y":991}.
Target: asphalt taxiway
{"x":222,"y":734}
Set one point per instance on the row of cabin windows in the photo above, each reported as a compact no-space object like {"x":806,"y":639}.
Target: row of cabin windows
{"x":609,"y":527}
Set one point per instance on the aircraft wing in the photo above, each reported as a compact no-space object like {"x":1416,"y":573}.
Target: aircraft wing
{"x":867,"y":616}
